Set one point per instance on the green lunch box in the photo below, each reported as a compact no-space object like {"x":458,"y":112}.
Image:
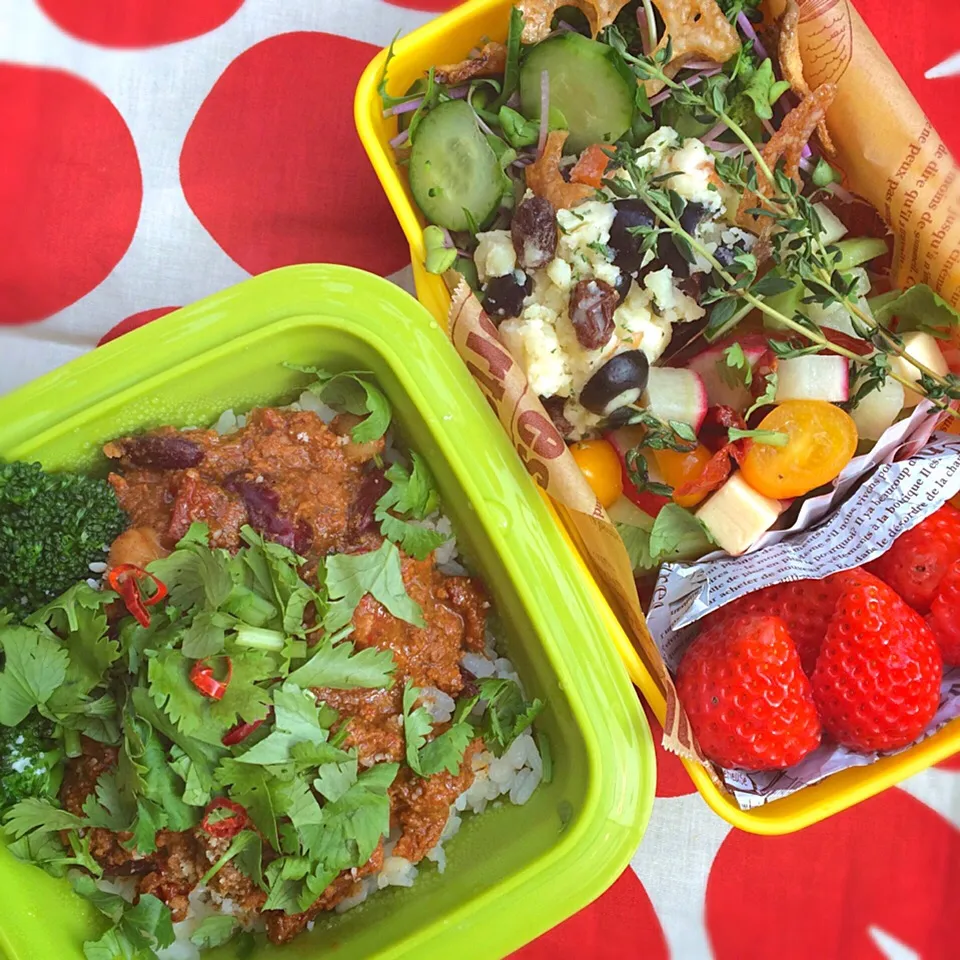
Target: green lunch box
{"x":512,"y":872}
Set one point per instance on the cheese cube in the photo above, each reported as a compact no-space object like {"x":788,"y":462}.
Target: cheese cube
{"x":924,"y":349}
{"x":736,"y":515}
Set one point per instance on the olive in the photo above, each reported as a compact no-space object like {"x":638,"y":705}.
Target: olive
{"x":618,"y":383}
{"x":726,"y":255}
{"x":504,"y":296}
{"x":622,"y":286}
{"x":692,"y":216}
{"x":624,"y":244}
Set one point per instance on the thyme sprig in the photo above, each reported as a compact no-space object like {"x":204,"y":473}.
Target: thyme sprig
{"x":798,"y":251}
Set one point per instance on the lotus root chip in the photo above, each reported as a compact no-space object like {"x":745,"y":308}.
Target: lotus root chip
{"x":538,"y":15}
{"x":791,"y":63}
{"x":696,"y":30}
{"x":490,"y":62}
{"x":788,"y":143}
{"x":545,"y":180}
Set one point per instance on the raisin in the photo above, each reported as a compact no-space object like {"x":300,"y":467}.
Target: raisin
{"x":592,"y":303}
{"x":534,"y":232}
{"x":504,"y":296}
{"x":162,"y":452}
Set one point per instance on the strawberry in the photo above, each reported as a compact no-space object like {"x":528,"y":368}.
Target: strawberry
{"x":805,"y":606}
{"x":877,"y":679}
{"x":747,"y":697}
{"x":919,"y":558}
{"x":944,"y":617}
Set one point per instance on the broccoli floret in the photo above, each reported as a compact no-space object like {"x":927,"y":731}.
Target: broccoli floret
{"x":52,"y":527}
{"x":29,"y":761}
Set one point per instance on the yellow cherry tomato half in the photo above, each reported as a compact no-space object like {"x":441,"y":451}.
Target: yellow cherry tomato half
{"x":599,"y":463}
{"x":678,"y":467}
{"x":821,"y":440}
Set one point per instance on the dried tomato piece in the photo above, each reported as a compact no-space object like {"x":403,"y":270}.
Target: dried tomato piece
{"x":715,"y":471}
{"x":490,"y":62}
{"x":718,"y":421}
{"x":545,"y":179}
{"x":591,"y":166}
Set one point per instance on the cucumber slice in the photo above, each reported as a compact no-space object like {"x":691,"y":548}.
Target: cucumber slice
{"x":455,"y":176}
{"x":589,"y":84}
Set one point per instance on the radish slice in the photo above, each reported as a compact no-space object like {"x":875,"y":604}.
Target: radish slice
{"x":816,"y":377}
{"x":676,"y":394}
{"x":623,"y":440}
{"x":711,"y":366}
{"x":878,"y":410}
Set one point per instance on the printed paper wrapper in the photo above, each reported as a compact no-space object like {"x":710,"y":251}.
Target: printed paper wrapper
{"x":896,"y":497}
{"x":890,"y":154}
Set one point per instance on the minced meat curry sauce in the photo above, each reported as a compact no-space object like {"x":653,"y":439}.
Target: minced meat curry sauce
{"x":307,"y":485}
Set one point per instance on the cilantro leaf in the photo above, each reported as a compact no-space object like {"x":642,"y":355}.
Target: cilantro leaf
{"x":342,"y":667}
{"x":411,"y":494}
{"x":107,"y":807}
{"x":416,"y":725}
{"x":297,"y":721}
{"x":214,"y":931}
{"x":197,"y":716}
{"x":769,"y":395}
{"x":275,"y":570}
{"x":735,"y":370}
{"x":195,"y":574}
{"x":206,"y":635}
{"x":35,"y":667}
{"x":333,"y":780}
{"x":249,"y":787}
{"x":446,"y":751}
{"x":34,"y":815}
{"x":507,"y":714}
{"x":350,"y":577}
{"x":349,"y":391}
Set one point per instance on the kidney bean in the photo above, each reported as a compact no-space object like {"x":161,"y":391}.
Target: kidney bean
{"x":592,"y":303}
{"x":534,"y":232}
{"x":162,"y":452}
{"x":263,"y":506}
{"x":372,"y":488}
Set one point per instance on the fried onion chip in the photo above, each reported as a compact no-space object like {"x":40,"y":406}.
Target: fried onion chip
{"x":787,"y":143}
{"x":545,"y":180}
{"x":697,"y":30}
{"x":490,"y":62}
{"x":538,"y":15}
{"x":792,"y":65}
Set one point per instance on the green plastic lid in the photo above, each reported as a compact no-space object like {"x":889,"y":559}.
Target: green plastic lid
{"x":513,"y":871}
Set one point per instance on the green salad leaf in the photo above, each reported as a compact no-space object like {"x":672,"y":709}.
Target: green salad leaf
{"x":351,"y":576}
{"x":917,"y":308}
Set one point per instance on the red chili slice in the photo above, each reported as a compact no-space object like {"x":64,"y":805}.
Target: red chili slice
{"x":239,"y":732}
{"x":228,"y":827}
{"x":127,"y":580}
{"x":202,"y":677}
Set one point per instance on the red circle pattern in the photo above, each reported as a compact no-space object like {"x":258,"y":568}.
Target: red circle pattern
{"x":620,"y":925}
{"x":132,"y":322}
{"x":890,"y":863}
{"x":146,"y":23}
{"x":273,"y":168}
{"x":70,"y":192}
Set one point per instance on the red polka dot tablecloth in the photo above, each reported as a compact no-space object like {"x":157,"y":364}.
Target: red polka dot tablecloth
{"x":155,"y":151}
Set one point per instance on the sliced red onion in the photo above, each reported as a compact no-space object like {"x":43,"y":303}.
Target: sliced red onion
{"x":458,"y":93}
{"x":768,"y":126}
{"x":688,"y":82}
{"x":714,"y":133}
{"x":743,"y":21}
{"x":400,"y":139}
{"x":544,"y":111}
